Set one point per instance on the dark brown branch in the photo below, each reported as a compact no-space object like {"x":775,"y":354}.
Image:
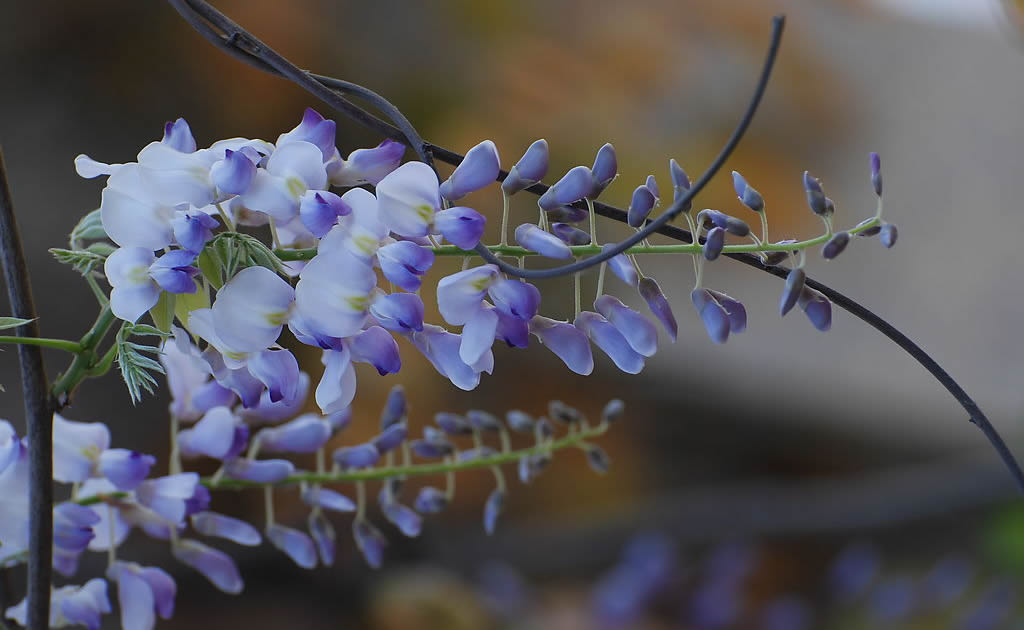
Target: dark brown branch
{"x":38,"y":414}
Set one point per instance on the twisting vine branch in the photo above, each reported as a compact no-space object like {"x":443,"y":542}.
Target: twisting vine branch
{"x":39,"y":406}
{"x":238,"y":42}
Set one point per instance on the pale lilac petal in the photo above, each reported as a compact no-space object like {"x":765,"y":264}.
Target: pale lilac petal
{"x":378,"y":348}
{"x":234,"y":174}
{"x":164,"y":590}
{"x":323,"y":535}
{"x":333,"y":293}
{"x":305,"y":434}
{"x":407,"y":199}
{"x":266,"y":412}
{"x":544,"y":243}
{"x":301,"y":165}
{"x":369,"y":166}
{"x":442,"y":349}
{"x":576,"y":184}
{"x":129,"y":267}
{"x":89,"y":168}
{"x":362,"y":231}
{"x":460,"y":294}
{"x":337,"y":386}
{"x":398,"y":312}
{"x":251,"y":309}
{"x":530,"y":169}
{"x":514,"y":298}
{"x":226,"y":527}
{"x":131,"y":303}
{"x":569,"y":343}
{"x":215,"y":565}
{"x":297,"y":545}
{"x":637,"y":329}
{"x":611,"y":341}
{"x":167,"y":495}
{"x":259,"y":470}
{"x":124,"y":468}
{"x":403,"y":262}
{"x":314,"y":129}
{"x":10,"y":445}
{"x":272,"y":196}
{"x":279,"y":371}
{"x":463,"y":227}
{"x":319,"y":211}
{"x":214,"y":435}
{"x":138,"y":606}
{"x":76,"y":448}
{"x":478,"y":335}
{"x":178,"y":136}
{"x":477,"y":170}
{"x":315,"y":496}
{"x":192,"y":229}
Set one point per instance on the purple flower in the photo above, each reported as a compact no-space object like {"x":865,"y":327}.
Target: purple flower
{"x":530,"y":169}
{"x":403,"y":262}
{"x":492,"y":509}
{"x":369,"y":166}
{"x":407,"y":521}
{"x":173,"y":271}
{"x":71,"y":605}
{"x":876,"y":173}
{"x":219,"y":434}
{"x":544,"y":243}
{"x":233,"y":174}
{"x":370,"y":542}
{"x":568,"y":342}
{"x":333,"y":292}
{"x":735,"y":310}
{"x":395,"y":407}
{"x":226,"y":527}
{"x":888,"y":234}
{"x":359,"y":456}
{"x":514,"y":298}
{"x":391,"y":437}
{"x":512,"y":330}
{"x":76,"y":448}
{"x":747,"y":194}
{"x":193,"y":228}
{"x":656,"y":301}
{"x":337,"y":386}
{"x":167,"y":496}
{"x":680,"y":183}
{"x":124,"y":468}
{"x":295,"y":544}
{"x":569,"y":234}
{"x":305,"y":434}
{"x":322,"y":532}
{"x":605,"y":168}
{"x":815,"y":194}
{"x":259,"y":470}
{"x":716,"y":320}
{"x":251,"y":309}
{"x":407,"y":199}
{"x":463,"y":227}
{"x":315,"y":496}
{"x":714,"y":243}
{"x":640,"y":206}
{"x":817,"y":307}
{"x":611,"y":341}
{"x":216,"y":566}
{"x":459,"y":295}
{"x":730,"y":224}
{"x":319,"y":211}
{"x":314,"y":129}
{"x":72,"y":533}
{"x":178,"y":136}
{"x":478,"y":169}
{"x":835,"y":245}
{"x":430,"y":500}
{"x":574,"y":185}
{"x":637,"y":330}
{"x":278,"y":370}
{"x":144,"y":593}
{"x":622,"y":267}
{"x":378,"y":348}
{"x":398,"y":312}
{"x":445,"y":349}
{"x":791,"y":291}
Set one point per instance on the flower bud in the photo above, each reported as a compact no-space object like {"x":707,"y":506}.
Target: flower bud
{"x":519,"y":421}
{"x":544,"y":243}
{"x":715,"y":318}
{"x":817,"y":307}
{"x":835,"y":245}
{"x":613,"y":411}
{"x":605,"y":168}
{"x":791,"y":291}
{"x":622,"y":267}
{"x":395,"y":407}
{"x":747,"y":194}
{"x":640,"y":206}
{"x":574,"y":185}
{"x":492,"y":509}
{"x":570,"y":235}
{"x":453,"y":424}
{"x":887,"y":235}
{"x":734,"y":309}
{"x":370,"y":542}
{"x":530,"y":169}
{"x":871,"y":231}
{"x":815,"y":194}
{"x":876,"y":173}
{"x":478,"y":169}
{"x":359,"y":456}
{"x":714,"y":243}
{"x":391,"y":438}
{"x":652,"y":185}
{"x":656,"y":301}
{"x":597,"y":459}
{"x":680,"y":183}
{"x":430,"y":500}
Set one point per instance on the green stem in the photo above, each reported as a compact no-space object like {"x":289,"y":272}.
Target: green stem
{"x":59,"y":344}
{"x":85,"y":358}
{"x":590,"y":250}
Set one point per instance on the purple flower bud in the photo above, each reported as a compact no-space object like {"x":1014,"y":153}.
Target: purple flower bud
{"x":124,"y":468}
{"x":173,"y":271}
{"x":640,"y":206}
{"x":72,"y":527}
{"x":876,"y":173}
{"x":680,"y":183}
{"x":215,"y":565}
{"x":407,"y":521}
{"x":817,"y":307}
{"x":404,"y":262}
{"x":622,"y":267}
{"x":259,"y":470}
{"x":478,"y":169}
{"x":605,"y":168}
{"x":530,"y":169}
{"x":887,"y":235}
{"x":835,"y":245}
{"x":295,"y":544}
{"x":218,"y":434}
{"x":597,"y":459}
{"x":432,"y":448}
{"x":370,"y":542}
{"x":480,"y":452}
{"x":569,"y":234}
{"x":315,"y":496}
{"x":531,"y":466}
{"x":399,"y":312}
{"x":948,"y":580}
{"x":395,"y":407}
{"x":543,"y":429}
{"x":319,"y":211}
{"x":567,"y":214}
{"x":314,"y":129}
{"x":322,"y":532}
{"x":830,"y":207}
{"x":613,"y":411}
{"x":492,"y":508}
{"x":519,"y":421}
{"x":716,"y":320}
{"x":747,"y":194}
{"x":574,"y":185}
{"x":391,"y":438}
{"x":544,"y":243}
{"x":558,"y":410}
{"x":278,"y":370}
{"x":788,"y":613}
{"x":566,"y":341}
{"x":359,"y":456}
{"x":198,"y":502}
{"x":652,"y":185}
{"x":305,"y":434}
{"x":430,"y":500}
{"x":734,"y":309}
{"x":233,"y":529}
{"x":178,"y":136}
{"x":656,"y":301}
{"x":463,"y":227}
{"x":638,"y":331}
{"x":714,"y":243}
{"x":791,"y":291}
{"x":453,"y":424}
{"x":377,"y":347}
{"x":514,"y":298}
{"x":369,"y":166}
{"x":777,"y":258}
{"x":611,"y":341}
{"x":815,"y":194}
{"x":871,"y":231}
{"x":192,"y":229}
{"x":483,"y":421}
{"x":893,"y":600}
{"x":234,"y":174}
{"x":340,"y":420}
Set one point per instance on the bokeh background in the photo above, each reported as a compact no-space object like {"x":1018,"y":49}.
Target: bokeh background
{"x":775,"y":456}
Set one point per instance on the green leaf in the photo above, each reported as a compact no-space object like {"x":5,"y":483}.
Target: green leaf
{"x":13,"y":322}
{"x":103,"y":249}
{"x":162,"y":313}
{"x":84,"y":261}
{"x":235,"y":251}
{"x":136,"y":368}
{"x":89,"y":228}
{"x":188,"y":302}
{"x":211,"y":267}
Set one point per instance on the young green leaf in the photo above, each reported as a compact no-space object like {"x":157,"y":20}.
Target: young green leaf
{"x":13,"y":322}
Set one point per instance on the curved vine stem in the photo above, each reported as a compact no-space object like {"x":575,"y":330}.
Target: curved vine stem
{"x":236,"y":41}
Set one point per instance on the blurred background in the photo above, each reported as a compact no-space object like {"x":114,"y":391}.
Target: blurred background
{"x":790,"y":477}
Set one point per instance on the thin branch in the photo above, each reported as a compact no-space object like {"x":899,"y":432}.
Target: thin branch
{"x":197,"y":13}
{"x":39,"y":406}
